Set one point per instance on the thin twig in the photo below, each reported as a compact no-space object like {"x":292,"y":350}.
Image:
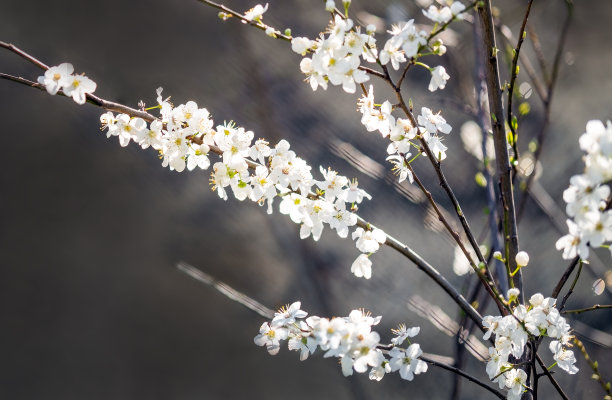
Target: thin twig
{"x":571,"y":289}
{"x":565,"y":277}
{"x":551,"y":378}
{"x":595,"y":367}
{"x":513,"y":75}
{"x":547,"y":107}
{"x":465,"y":375}
{"x":592,"y":308}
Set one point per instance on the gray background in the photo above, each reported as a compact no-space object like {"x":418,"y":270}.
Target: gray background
{"x":91,"y":306}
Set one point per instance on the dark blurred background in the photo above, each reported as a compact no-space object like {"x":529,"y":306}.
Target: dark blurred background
{"x":91,"y":304}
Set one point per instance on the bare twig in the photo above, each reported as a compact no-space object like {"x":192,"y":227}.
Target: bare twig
{"x":465,"y":375}
{"x":565,"y":277}
{"x":513,"y":75}
{"x":592,"y":308}
{"x":551,"y":378}
{"x":571,"y":289}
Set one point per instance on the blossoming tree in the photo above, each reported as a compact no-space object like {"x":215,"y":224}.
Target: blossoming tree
{"x":367,"y":61}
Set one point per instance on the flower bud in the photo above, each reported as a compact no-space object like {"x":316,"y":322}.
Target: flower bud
{"x":522,"y":259}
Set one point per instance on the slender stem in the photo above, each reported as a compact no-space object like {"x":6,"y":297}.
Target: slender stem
{"x":431,"y":272}
{"x":501,"y":144}
{"x":443,"y":182}
{"x":565,"y":277}
{"x":592,"y":308}
{"x":23,"y":54}
{"x":256,"y":24}
{"x":571,"y":290}
{"x":551,"y":378}
{"x":594,"y":366}
{"x":514,"y":74}
{"x":488,"y":284}
{"x":465,"y":375}
{"x":547,"y":106}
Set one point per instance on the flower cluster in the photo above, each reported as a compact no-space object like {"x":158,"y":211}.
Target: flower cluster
{"x":401,"y":132}
{"x":61,"y":77}
{"x":336,"y":58}
{"x":512,"y":333}
{"x":350,"y":339}
{"x":587,"y":197}
{"x":185,"y":136}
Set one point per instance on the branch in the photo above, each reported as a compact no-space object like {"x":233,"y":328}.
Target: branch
{"x":551,"y":378}
{"x":501,"y":145}
{"x":465,"y":375}
{"x":547,"y":106}
{"x":565,"y":277}
{"x":595,"y":367}
{"x":514,"y":74}
{"x":592,"y":308}
{"x":571,"y":289}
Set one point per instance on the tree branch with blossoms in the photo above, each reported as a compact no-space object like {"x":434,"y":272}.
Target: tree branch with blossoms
{"x":186,"y":138}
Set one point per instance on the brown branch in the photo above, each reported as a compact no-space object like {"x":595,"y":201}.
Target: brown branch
{"x":501,"y":145}
{"x":551,"y":378}
{"x":465,"y":375}
{"x":485,"y":279}
{"x":565,"y":277}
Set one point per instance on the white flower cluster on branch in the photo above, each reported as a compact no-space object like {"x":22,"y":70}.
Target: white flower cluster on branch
{"x":62,"y":77}
{"x":350,"y":339}
{"x":512,"y":332}
{"x":184,"y":136}
{"x":588,"y":195}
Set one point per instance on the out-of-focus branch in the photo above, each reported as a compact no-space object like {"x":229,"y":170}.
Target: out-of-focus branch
{"x":595,"y":367}
{"x":592,"y":308}
{"x":547,"y":106}
{"x":226,"y":290}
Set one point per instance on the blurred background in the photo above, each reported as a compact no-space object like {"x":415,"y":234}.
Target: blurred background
{"x":91,"y":303}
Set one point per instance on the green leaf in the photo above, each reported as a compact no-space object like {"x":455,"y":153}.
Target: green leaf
{"x":524,"y":108}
